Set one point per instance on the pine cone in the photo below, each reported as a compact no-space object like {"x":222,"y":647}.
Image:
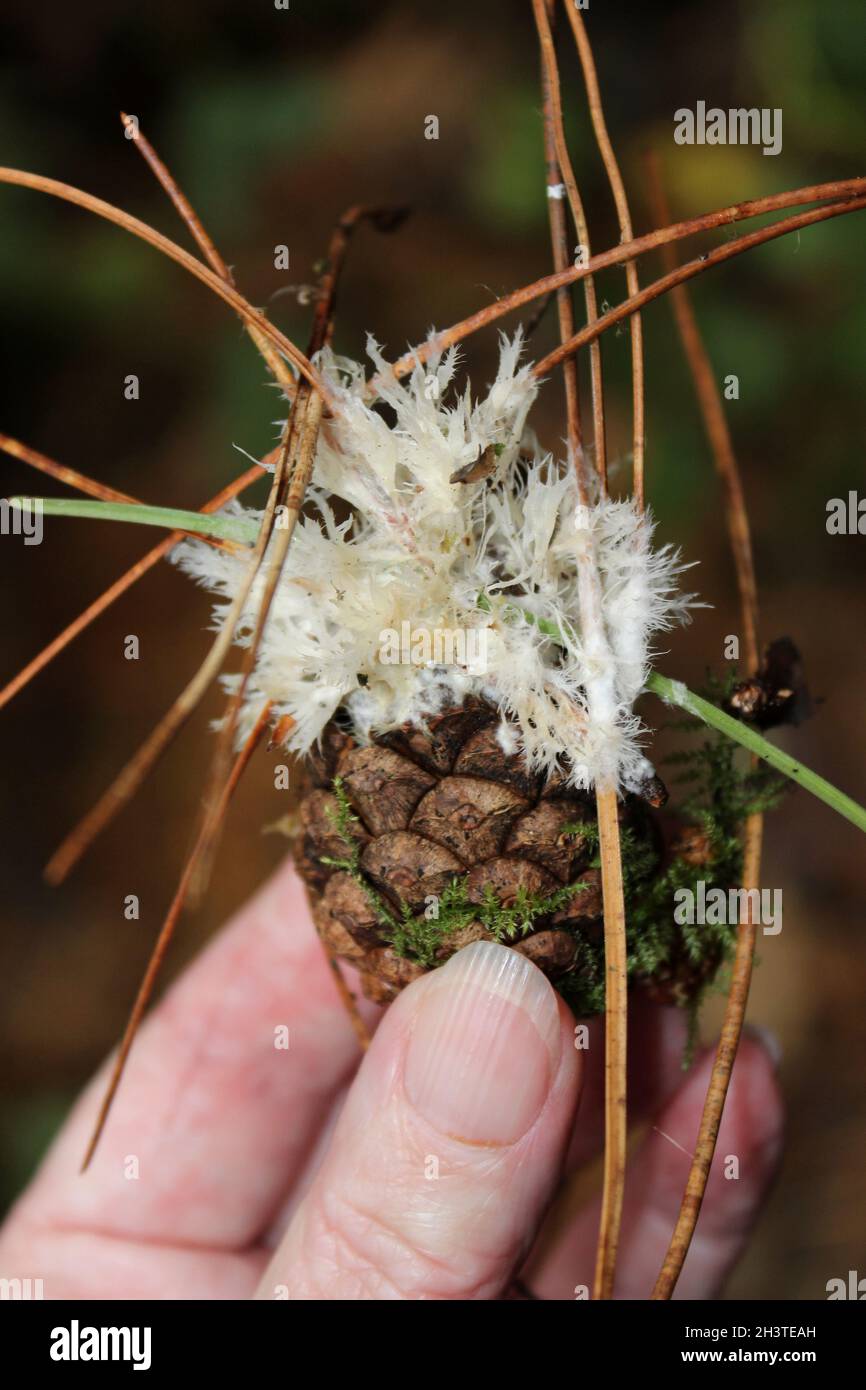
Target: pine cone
{"x":392,"y":832}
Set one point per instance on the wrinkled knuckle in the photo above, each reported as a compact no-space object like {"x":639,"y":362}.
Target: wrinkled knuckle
{"x":369,"y":1254}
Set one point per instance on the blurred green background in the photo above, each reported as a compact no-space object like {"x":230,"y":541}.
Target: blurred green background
{"x":274,"y":122}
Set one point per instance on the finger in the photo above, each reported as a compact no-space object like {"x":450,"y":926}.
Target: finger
{"x":214,"y":1116}
{"x":657,"y":1038}
{"x":449,"y":1145}
{"x":745,"y":1162}
{"x":656,"y":1042}
{"x":76,"y":1265}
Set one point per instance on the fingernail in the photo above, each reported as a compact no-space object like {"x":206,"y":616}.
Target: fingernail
{"x":485,"y":1045}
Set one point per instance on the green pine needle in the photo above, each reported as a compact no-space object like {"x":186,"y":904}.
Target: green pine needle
{"x":228,"y":528}
{"x":675,"y":693}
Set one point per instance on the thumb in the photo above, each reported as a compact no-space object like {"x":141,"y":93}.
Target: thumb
{"x":450,"y":1143}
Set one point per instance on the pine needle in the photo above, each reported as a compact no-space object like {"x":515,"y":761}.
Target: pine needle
{"x":614,"y":177}
{"x":715,"y":422}
{"x":615,"y":1043}
{"x":847,"y":191}
{"x":70,"y":476}
{"x":214,"y":282}
{"x":560,"y":167}
{"x":272,"y":358}
{"x":726,"y":1052}
{"x":675,"y":693}
{"x":116,"y":590}
{"x":133,"y":774}
{"x":718,"y":432}
{"x":592,"y":624}
{"x":227,"y":528}
{"x":292,"y":477}
{"x":688,"y":271}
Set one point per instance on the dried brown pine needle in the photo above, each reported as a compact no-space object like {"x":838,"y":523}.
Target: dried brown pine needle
{"x":561,"y":180}
{"x":844,"y":190}
{"x":594,"y":629}
{"x":718,"y":432}
{"x":214,"y":282}
{"x":611,"y":166}
{"x":715,"y":421}
{"x":717,"y":256}
{"x":272,"y":358}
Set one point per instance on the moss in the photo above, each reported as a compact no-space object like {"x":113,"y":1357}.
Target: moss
{"x":421,"y":937}
{"x":344,"y":817}
{"x":417,"y":938}
{"x":342,"y":820}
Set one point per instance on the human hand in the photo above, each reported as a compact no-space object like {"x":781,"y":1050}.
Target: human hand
{"x":231,"y":1167}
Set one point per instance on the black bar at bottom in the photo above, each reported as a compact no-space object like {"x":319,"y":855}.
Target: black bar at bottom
{"x":82,"y":1339}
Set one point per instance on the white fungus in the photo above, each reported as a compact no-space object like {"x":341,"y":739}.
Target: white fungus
{"x":500,"y":560}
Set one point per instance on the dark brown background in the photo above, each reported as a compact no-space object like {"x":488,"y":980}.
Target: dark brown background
{"x":274,"y":122}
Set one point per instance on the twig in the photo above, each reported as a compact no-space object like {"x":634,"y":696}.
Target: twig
{"x":163,"y":942}
{"x":599,"y":125}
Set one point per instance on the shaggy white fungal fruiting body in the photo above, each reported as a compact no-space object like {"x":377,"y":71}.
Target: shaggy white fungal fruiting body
{"x":513,"y":554}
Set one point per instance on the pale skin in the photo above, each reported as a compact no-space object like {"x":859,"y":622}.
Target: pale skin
{"x":427,"y":1172}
